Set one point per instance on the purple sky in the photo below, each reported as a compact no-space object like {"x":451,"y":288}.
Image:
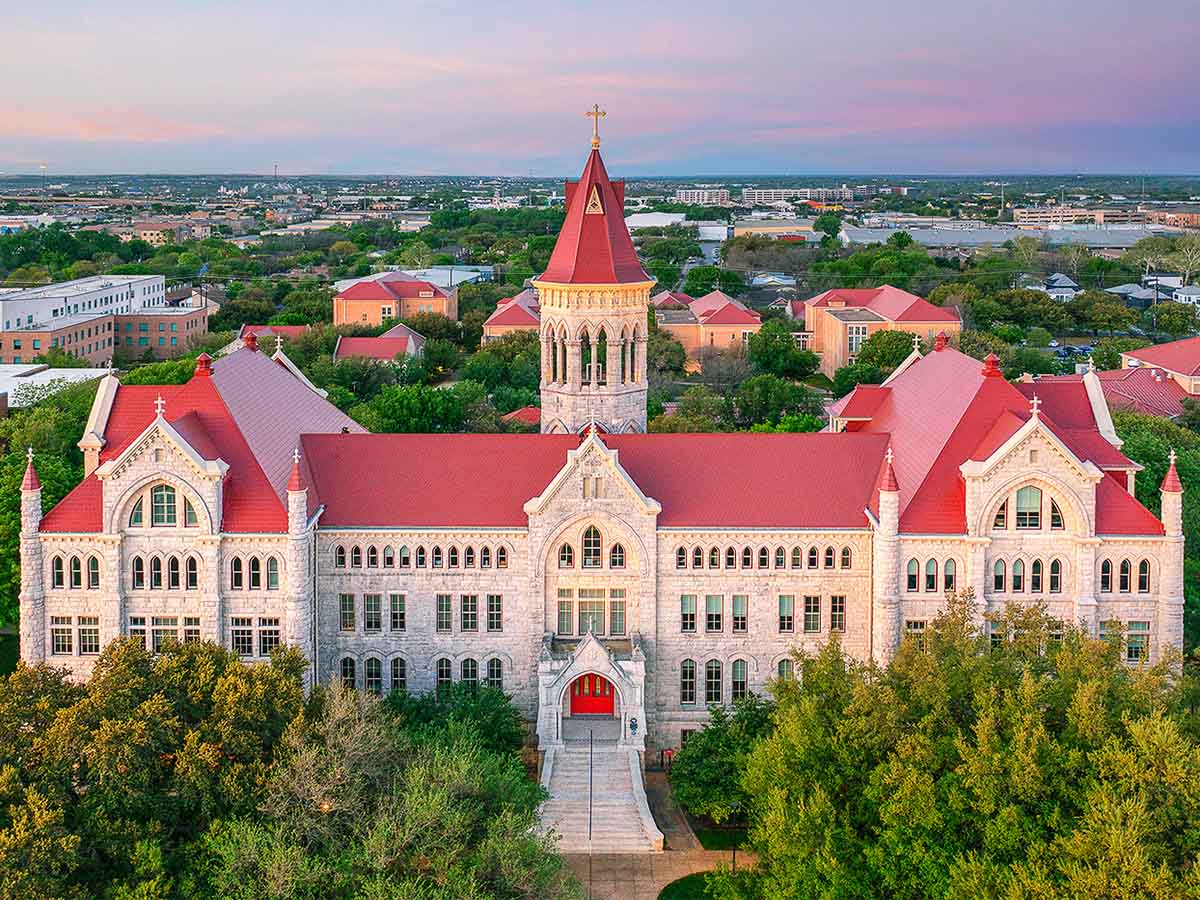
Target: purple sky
{"x":421,"y":87}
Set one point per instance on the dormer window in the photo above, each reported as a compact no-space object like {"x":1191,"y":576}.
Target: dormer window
{"x":1029,"y":507}
{"x":162,"y":505}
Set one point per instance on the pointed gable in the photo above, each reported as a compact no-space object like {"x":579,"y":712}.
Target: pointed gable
{"x":594,"y":246}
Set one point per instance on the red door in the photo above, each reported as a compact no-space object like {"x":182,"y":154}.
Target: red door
{"x":591,"y":695}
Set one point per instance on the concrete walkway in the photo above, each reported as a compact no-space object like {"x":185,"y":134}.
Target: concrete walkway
{"x":641,"y":876}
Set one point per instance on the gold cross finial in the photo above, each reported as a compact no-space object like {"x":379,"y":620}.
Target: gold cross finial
{"x":595,"y":114}
{"x":1035,"y":404}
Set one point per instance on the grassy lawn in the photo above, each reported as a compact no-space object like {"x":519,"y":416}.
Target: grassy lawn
{"x":689,"y":887}
{"x":716,"y":837}
{"x":818,"y":380}
{"x":9,"y":651}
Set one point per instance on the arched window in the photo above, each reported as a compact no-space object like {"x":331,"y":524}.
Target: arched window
{"x":1056,"y":518}
{"x":1029,"y":507}
{"x":436,"y":558}
{"x":780,"y":558}
{"x":189,"y":514}
{"x":138,"y":573}
{"x":712,"y":681}
{"x":272,"y":574}
{"x":495,"y":674}
{"x":76,"y":573}
{"x":1018,"y":576}
{"x":1001,"y":520}
{"x":452,"y":557}
{"x":420,"y":557}
{"x":399,"y":675}
{"x":372,"y":558}
{"x":1126,"y":576}
{"x":813,"y":557}
{"x":192,"y":573}
{"x":747,"y":557}
{"x":1056,"y":576}
{"x":373,"y":675}
{"x":469,"y":558}
{"x":162,"y":505}
{"x":339,"y":557}
{"x":1035,"y":577}
{"x":697,"y":557}
{"x":592,"y":558}
{"x":948,"y":573}
{"x":730,"y":558}
{"x":847,"y":557}
{"x":914,"y":571}
{"x":998,"y":578}
{"x":349,"y":678}
{"x":93,"y":574}
{"x":784,"y":669}
{"x":616,"y":556}
{"x":443,"y":675}
{"x":356,"y":557}
{"x":405,"y":559}
{"x":57,"y":574}
{"x":797,"y":558}
{"x":681,"y":557}
{"x":931,"y":574}
{"x":156,"y":574}
{"x":501,"y":557}
{"x":714,"y":557}
{"x":389,"y":557}
{"x":255,"y":572}
{"x":1106,"y":576}
{"x":764,"y":557}
{"x":738,"y":675}
{"x":1143,"y":576}
{"x":485,"y":557}
{"x":135,"y":515}
{"x":235,"y":573}
{"x":566,"y":557}
{"x":470,"y":672}
{"x":687,"y":681}
{"x":173,"y":582}
{"x":829,"y":557}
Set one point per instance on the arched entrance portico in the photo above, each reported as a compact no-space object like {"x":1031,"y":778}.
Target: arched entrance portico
{"x":588,"y":687}
{"x":591,"y":695}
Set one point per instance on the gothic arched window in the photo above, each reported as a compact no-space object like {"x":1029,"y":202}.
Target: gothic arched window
{"x":592,"y":557}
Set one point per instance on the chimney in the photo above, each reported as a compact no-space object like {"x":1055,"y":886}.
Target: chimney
{"x":991,"y":366}
{"x":940,"y":342}
{"x":250,"y":341}
{"x":203,"y":366}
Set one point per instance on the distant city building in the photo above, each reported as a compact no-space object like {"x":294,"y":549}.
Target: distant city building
{"x":1066,"y":215}
{"x":771,"y":227}
{"x":653,"y":220}
{"x":702,"y":196}
{"x":1180,"y":216}
{"x":517,"y":313}
{"x":774,"y":195}
{"x":399,"y":340}
{"x":390,"y":295}
{"x":13,"y":224}
{"x":450,"y":276}
{"x":21,"y":384}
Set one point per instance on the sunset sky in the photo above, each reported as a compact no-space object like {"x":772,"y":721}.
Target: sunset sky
{"x":690,"y":88}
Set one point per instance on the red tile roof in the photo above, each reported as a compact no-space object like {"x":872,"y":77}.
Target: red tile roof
{"x":594,"y":247}
{"x":732,"y":313}
{"x":1143,"y":389}
{"x":390,"y":286}
{"x":291,"y":332}
{"x":1178,"y":356}
{"x":671,"y":300}
{"x":889,"y":302}
{"x":380,"y":348}
{"x":528,"y":415}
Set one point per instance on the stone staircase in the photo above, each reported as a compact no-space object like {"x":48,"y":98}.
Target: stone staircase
{"x":621,"y":821}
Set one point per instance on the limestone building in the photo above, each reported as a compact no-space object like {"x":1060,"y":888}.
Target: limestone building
{"x":603,"y":575}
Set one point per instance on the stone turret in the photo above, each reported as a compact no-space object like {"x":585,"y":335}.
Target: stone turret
{"x":300,"y":589}
{"x":33,"y":595}
{"x":1171,"y":563}
{"x":886,"y":565}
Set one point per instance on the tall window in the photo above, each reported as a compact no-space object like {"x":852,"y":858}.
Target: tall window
{"x":712,"y":681}
{"x":855,"y":335}
{"x":738,"y":679}
{"x":443,"y":675}
{"x":813,"y":553}
{"x":1035,"y":577}
{"x":1018,"y":576}
{"x":138,"y":573}
{"x":77,"y":573}
{"x":89,"y":635}
{"x":566,"y":557}
{"x":591,"y":610}
{"x":346,"y":612}
{"x":681,"y":557}
{"x":241,"y":636}
{"x":255,"y":570}
{"x":135,"y":514}
{"x":1055,"y":576}
{"x":389,"y":558}
{"x":948,"y":579}
{"x":349,"y":678}
{"x":405,"y":557}
{"x":485,"y":557}
{"x":1137,"y":642}
{"x":616,"y":611}
{"x":784,"y":669}
{"x":797,"y":558}
{"x":837,"y":614}
{"x":173,"y":581}
{"x":914,"y":569}
{"x":829,"y":557}
{"x":470,"y":672}
{"x":741,"y":605}
{"x":998,"y":576}
{"x":787,"y":611}
{"x":339,"y":557}
{"x":93,"y":573}
{"x":445,"y":614}
{"x":156,"y":573}
{"x":1143,"y":577}
{"x":687,"y":681}
{"x":812,"y":615}
{"x":372,"y":612}
{"x":780,"y":558}
{"x":268,"y":635}
{"x":469,"y":612}
{"x":163,"y":629}
{"x":713,"y":606}
{"x":437,"y":557}
{"x":1106,"y":576}
{"x":1029,"y":507}
{"x":61,"y":636}
{"x":192,"y":573}
{"x":730,"y":558}
{"x":697,"y":557}
{"x":931,"y":574}
{"x":566,"y":611}
{"x":1126,"y":574}
{"x":592,"y":556}
{"x":57,"y":575}
{"x":846,"y":557}
{"x":235,"y":573}
{"x":915,"y":629}
{"x":616,"y":556}
{"x":272,"y":574}
{"x":372,"y":558}
{"x":747,"y":557}
{"x":764,"y":557}
{"x":373,"y":675}
{"x":687,"y":612}
{"x":162,"y":505}
{"x":495,"y":610}
{"x":399,"y":675}
{"x":469,"y":558}
{"x":495,"y":674}
{"x":420,"y":557}
{"x":452,"y":557}
{"x":1056,"y":517}
{"x":397,"y":612}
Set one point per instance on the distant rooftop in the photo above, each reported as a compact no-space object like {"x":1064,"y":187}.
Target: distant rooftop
{"x":71,"y":288}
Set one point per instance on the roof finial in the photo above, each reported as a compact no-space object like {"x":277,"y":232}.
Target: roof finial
{"x":29,"y":455}
{"x":30,"y":481}
{"x":1171,"y":483}
{"x":278,"y":343}
{"x":296,"y":456}
{"x":916,"y":343}
{"x":1091,"y":364}
{"x":1035,"y":404}
{"x":890,"y":455}
{"x":294,"y":481}
{"x":159,"y":406}
{"x":595,"y":114}
{"x":889,"y":482}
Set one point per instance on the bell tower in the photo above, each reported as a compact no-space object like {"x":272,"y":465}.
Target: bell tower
{"x":593,"y":299}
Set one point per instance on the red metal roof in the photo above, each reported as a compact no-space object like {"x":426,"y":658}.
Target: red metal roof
{"x":528,"y":415}
{"x":1143,"y":389}
{"x":1178,"y":356}
{"x":594,"y":247}
{"x":30,"y":482}
{"x":381,"y":348}
{"x":889,"y":302}
{"x":291,"y":332}
{"x":732,"y":313}
{"x":390,"y":286}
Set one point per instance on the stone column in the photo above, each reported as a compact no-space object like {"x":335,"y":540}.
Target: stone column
{"x":885,"y":575}
{"x":977,"y":577}
{"x":574,"y":364}
{"x":1170,"y":568}
{"x":1087,"y":610}
{"x":32,"y":596}
{"x":639,"y":368}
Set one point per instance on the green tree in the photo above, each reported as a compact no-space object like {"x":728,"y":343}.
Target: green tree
{"x":768,"y":398}
{"x":1027,"y":360}
{"x":953,"y":293}
{"x":773,"y":350}
{"x":1107,"y":354}
{"x":847,"y":377}
{"x":885,"y":350}
{"x":416,"y":255}
{"x":980,"y":343}
{"x":702,"y":280}
{"x":1176,"y":319}
{"x":830,"y":223}
{"x":701,"y":411}
{"x":1039,"y":337}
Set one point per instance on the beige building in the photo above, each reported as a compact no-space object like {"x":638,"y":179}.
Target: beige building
{"x":713,"y":323}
